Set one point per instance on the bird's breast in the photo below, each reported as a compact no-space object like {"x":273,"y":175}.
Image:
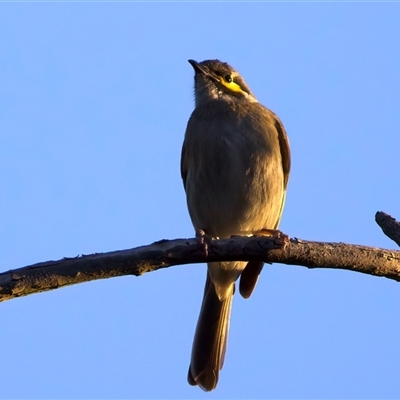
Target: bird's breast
{"x":234,"y":179}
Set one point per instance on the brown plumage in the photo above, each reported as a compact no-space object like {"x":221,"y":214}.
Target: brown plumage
{"x":235,"y":167}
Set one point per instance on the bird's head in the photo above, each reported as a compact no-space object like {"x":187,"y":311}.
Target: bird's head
{"x":218,"y":80}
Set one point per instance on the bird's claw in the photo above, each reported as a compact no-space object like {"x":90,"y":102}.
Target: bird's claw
{"x":280,"y":238}
{"x":203,"y":240}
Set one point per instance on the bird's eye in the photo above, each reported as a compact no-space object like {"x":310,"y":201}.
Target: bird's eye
{"x":228,"y":78}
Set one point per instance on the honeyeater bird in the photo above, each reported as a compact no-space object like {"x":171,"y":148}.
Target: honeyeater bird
{"x":235,"y":168}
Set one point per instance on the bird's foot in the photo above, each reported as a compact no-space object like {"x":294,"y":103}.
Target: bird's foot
{"x":204,"y":240}
{"x":280,"y":238}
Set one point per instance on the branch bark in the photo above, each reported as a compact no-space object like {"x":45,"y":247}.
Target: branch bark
{"x":166,"y":253}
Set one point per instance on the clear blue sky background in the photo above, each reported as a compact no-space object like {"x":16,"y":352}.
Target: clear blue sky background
{"x":94,"y":100}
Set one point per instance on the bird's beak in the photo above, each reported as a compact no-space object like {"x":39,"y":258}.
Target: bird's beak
{"x":199,"y":69}
{"x":196,"y":66}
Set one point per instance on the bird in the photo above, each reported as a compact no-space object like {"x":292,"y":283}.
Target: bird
{"x":235,"y":166}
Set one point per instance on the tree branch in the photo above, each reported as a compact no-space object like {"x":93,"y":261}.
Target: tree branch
{"x":389,"y":225}
{"x":166,"y":253}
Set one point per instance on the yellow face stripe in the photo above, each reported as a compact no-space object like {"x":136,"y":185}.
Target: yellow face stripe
{"x":234,"y":87}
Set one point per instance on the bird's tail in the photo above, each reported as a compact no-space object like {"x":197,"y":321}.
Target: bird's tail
{"x":210,"y":339}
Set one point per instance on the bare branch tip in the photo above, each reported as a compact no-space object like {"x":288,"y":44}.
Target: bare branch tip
{"x":389,"y":226}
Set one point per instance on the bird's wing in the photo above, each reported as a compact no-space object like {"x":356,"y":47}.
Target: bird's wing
{"x":285,"y":150}
{"x":184,"y":164}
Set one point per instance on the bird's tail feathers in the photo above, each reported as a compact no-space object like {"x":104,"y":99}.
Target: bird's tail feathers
{"x":209,"y":345}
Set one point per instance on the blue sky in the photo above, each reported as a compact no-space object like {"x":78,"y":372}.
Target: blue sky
{"x":94,"y":100}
